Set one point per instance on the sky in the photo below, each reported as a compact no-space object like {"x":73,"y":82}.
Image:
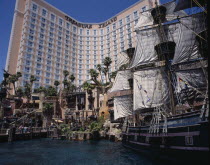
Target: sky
{"x":92,"y":11}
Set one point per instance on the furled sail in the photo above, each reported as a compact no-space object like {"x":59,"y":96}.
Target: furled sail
{"x":121,"y":81}
{"x":150,"y":88}
{"x":122,"y":106}
{"x":122,"y":59}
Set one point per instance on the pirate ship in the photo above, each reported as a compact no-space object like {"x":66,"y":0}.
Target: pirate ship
{"x":170,"y":84}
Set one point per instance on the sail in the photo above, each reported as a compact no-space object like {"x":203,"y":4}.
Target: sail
{"x":146,"y":19}
{"x":122,"y":59}
{"x":121,"y":81}
{"x":122,"y":106}
{"x":150,"y":88}
{"x":183,"y":33}
{"x":185,"y":37}
{"x":194,"y":78}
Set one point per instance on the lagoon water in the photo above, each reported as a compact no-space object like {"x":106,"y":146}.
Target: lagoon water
{"x":64,"y":152}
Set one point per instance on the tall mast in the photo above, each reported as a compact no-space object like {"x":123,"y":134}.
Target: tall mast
{"x":165,"y":49}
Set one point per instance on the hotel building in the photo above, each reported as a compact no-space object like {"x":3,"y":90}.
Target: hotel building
{"x":45,"y":41}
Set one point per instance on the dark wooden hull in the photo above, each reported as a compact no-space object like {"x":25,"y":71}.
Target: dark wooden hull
{"x":187,"y":137}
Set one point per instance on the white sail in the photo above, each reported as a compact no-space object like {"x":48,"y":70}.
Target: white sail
{"x":122,"y":106}
{"x":194,"y":78}
{"x":145,"y":19}
{"x":150,"y":88}
{"x":122,"y":59}
{"x":185,"y":38}
{"x":121,"y":81}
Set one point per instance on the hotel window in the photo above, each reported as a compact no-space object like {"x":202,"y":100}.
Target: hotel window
{"x":48,"y":68}
{"x":80,"y":31}
{"x":36,"y":85}
{"x":135,"y":14}
{"x":144,"y":8}
{"x":42,"y":25}
{"x":27,"y":69}
{"x":60,"y":21}
{"x":51,"y":29}
{"x":33,"y":15}
{"x":26,"y":76}
{"x":44,"y":12}
{"x":120,"y":22}
{"x":34,"y":7}
{"x":52,"y":17}
{"x":43,"y":19}
{"x":114,"y":26}
{"x":47,"y":81}
{"x":50,"y":45}
{"x":95,"y":32}
{"x":74,"y":29}
{"x":102,"y":31}
{"x":57,"y":65}
{"x":29,"y":50}
{"x":49,"y":62}
{"x":38,"y":72}
{"x":52,"y":24}
{"x":40,"y":47}
{"x":49,"y":50}
{"x":50,"y":39}
{"x":30,"y":43}
{"x":88,"y":47}
{"x":49,"y":57}
{"x":27,"y":62}
{"x":59,"y":33}
{"x":95,"y":61}
{"x":57,"y":71}
{"x":33,"y":20}
{"x":95,"y":57}
{"x":128,"y":25}
{"x":28,"y":56}
{"x":32,"y":26}
{"x":67,"y":37}
{"x":59,"y":38}
{"x":129,"y":30}
{"x":39,"y":53}
{"x":128,"y":18}
{"x":80,"y":61}
{"x":107,"y":28}
{"x":67,"y":32}
{"x":47,"y":74}
{"x":57,"y":77}
{"x":38,"y":66}
{"x":80,"y":66}
{"x":41,"y":30}
{"x":39,"y":59}
{"x":67,"y":25}
{"x":87,"y":61}
{"x":58,"y":59}
{"x":60,"y":28}
{"x":88,"y":42}
{"x":88,"y":32}
{"x":31,"y":31}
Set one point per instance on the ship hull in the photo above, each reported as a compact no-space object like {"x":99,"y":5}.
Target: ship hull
{"x":187,"y":138}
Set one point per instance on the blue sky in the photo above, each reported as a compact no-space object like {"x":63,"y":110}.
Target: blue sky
{"x":83,"y":10}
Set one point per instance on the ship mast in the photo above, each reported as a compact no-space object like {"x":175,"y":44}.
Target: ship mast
{"x":165,"y":49}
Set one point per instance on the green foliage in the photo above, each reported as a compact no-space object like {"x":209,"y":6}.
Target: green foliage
{"x":56,"y":83}
{"x":50,"y":91}
{"x":48,"y":109}
{"x":32,"y":79}
{"x":107,"y":61}
{"x":65,"y":73}
{"x":64,"y":128}
{"x":97,"y":125}
{"x":72,"y":78}
{"x":88,"y":86}
{"x":20,"y":92}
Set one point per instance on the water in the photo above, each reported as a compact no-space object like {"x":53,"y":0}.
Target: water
{"x":65,"y":152}
{"x":58,"y":152}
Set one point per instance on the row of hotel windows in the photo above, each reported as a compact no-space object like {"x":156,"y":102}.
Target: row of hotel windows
{"x":61,"y":21}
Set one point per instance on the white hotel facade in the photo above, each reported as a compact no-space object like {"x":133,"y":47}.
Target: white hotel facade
{"x":45,"y":41}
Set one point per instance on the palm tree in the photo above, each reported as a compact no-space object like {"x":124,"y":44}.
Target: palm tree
{"x":105,"y":71}
{"x":65,"y":83}
{"x":13,"y":79}
{"x":113,"y":75}
{"x":56,"y":83}
{"x":107,"y":62}
{"x":72,"y":78}
{"x":65,"y":73}
{"x":94,"y":75}
{"x":99,"y":68}
{"x":48,"y":112}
